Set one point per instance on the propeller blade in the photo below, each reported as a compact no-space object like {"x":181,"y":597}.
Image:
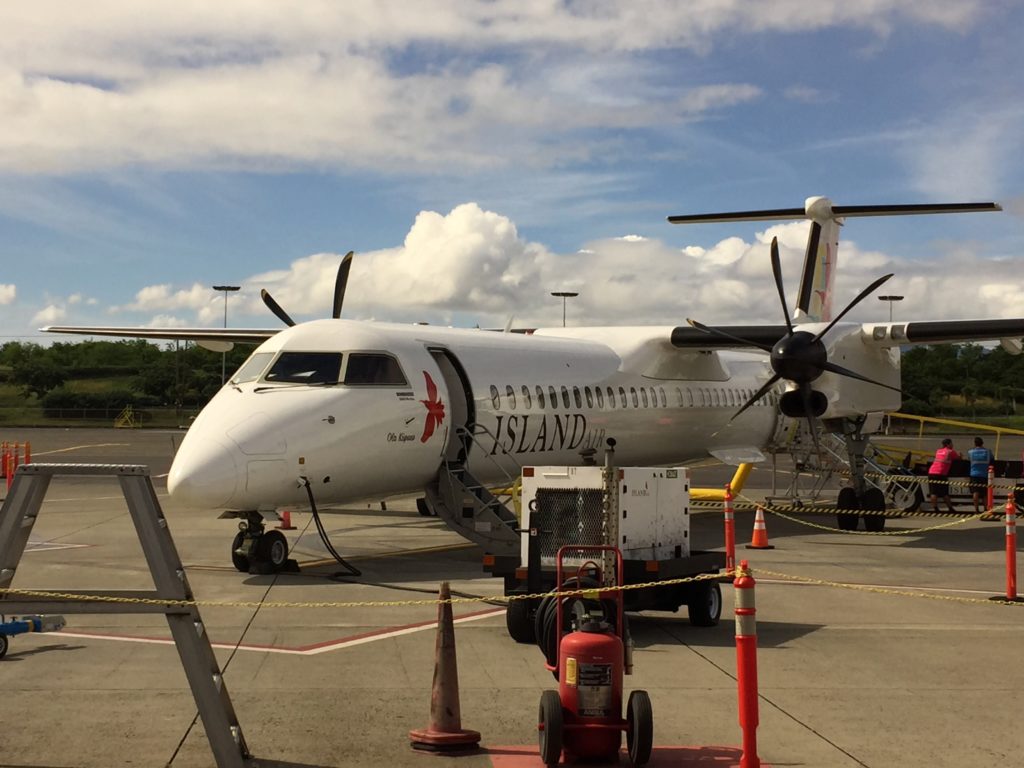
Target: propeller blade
{"x":274,"y":307}
{"x":854,"y":375}
{"x":717,"y":332}
{"x":866,"y":292}
{"x":339,"y":284}
{"x":777,"y":272}
{"x":757,"y":395}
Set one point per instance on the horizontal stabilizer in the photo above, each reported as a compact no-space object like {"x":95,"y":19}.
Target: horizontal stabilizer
{"x":236,"y":335}
{"x":822,"y":208}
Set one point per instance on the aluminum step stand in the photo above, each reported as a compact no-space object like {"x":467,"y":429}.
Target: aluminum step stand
{"x":17,"y":517}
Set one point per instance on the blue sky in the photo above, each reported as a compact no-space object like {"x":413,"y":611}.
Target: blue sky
{"x":477,"y":155}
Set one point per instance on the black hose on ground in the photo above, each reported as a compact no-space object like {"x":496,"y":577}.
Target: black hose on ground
{"x":323,"y":533}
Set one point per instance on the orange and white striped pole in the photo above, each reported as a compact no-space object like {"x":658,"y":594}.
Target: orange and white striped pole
{"x":1011,"y":549}
{"x":28,"y":452}
{"x":746,"y":663}
{"x":990,"y":496}
{"x":730,"y":529}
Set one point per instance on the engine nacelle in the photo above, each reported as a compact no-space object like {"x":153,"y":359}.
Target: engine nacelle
{"x":792,"y":404}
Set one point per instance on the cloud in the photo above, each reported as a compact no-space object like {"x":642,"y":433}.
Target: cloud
{"x":372,"y":84}
{"x":8,"y":293}
{"x":49,"y":315}
{"x":472,"y":266}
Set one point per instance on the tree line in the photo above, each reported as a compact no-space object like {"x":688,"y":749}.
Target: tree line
{"x":944,"y":380}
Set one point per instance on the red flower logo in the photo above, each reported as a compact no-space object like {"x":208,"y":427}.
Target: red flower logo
{"x":435,"y":409}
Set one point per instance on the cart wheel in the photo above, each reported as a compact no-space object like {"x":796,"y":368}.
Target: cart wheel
{"x":519,"y":621}
{"x":705,"y":604}
{"x":4,"y":643}
{"x":550,"y":719}
{"x":640,"y":735}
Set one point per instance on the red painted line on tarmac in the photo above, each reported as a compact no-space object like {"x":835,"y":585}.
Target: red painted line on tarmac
{"x":302,"y":650}
{"x":661,"y":757}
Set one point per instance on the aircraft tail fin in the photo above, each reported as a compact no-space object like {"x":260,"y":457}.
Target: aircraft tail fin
{"x":814,"y":298}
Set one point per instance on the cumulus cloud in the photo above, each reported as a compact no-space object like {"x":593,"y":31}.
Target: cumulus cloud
{"x":472,"y":266}
{"x":49,"y":315}
{"x":8,"y":293}
{"x":340,"y":83}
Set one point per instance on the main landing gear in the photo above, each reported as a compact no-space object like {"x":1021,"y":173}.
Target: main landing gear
{"x":257,"y":550}
{"x":861,"y":496}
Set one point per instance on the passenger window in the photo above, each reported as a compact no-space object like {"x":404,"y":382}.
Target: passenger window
{"x":689,"y":396}
{"x":565,"y":397}
{"x":664,"y":401}
{"x":552,"y":399}
{"x":306,"y":368}
{"x":252,"y":368}
{"x":590,"y":397}
{"x":577,"y":397}
{"x":526,"y":397}
{"x":715,"y":398}
{"x":679,"y":396}
{"x":364,"y":368}
{"x":510,"y":394}
{"x":622,"y":397}
{"x":633,"y":395}
{"x":643,"y":396}
{"x":495,"y":398}
{"x":540,"y":397}
{"x":600,"y":397}
{"x":611,"y":397}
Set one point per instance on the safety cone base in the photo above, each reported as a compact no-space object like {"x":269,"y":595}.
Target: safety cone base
{"x":429,"y":740}
{"x":760,"y":546}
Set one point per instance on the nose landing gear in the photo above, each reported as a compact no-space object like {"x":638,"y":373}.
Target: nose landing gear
{"x":257,"y":550}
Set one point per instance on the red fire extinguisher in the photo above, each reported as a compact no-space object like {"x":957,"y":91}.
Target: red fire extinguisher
{"x":584,"y":717}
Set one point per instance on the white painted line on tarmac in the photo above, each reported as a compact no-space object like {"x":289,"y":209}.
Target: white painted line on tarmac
{"x":904,"y":587}
{"x":304,"y":650}
{"x":79,"y":448}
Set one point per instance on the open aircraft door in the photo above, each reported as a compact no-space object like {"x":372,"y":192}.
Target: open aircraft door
{"x":458,"y":438}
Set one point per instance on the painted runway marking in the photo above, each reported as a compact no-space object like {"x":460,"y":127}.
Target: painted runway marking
{"x":81,"y":447}
{"x":302,"y":650}
{"x":51,"y":546}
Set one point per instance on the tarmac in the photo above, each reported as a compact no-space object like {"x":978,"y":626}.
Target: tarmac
{"x":917,"y":667}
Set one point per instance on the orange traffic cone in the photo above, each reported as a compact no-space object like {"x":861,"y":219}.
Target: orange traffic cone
{"x":760,"y":538}
{"x":445,"y":732}
{"x":286,"y":521}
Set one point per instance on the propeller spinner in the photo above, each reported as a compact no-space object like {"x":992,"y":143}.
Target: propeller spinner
{"x":340,"y":284}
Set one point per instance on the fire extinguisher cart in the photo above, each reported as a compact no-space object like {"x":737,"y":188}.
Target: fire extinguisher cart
{"x":584,"y":718}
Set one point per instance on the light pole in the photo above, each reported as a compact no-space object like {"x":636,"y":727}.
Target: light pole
{"x":224,"y":355}
{"x":563,"y":295}
{"x":892,"y":300}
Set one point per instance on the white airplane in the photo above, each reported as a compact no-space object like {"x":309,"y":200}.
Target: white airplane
{"x":334,"y":410}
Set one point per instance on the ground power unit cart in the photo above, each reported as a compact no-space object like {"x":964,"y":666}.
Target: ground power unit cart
{"x":644,"y":511}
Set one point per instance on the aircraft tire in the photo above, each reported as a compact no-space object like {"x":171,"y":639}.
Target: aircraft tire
{"x":272,"y":549}
{"x":423,"y":508}
{"x":705,"y":604}
{"x":4,"y":645}
{"x":873,"y":499}
{"x":241,"y":562}
{"x":519,"y":621}
{"x":847,"y":500}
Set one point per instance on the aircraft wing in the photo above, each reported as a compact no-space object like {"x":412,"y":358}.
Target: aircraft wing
{"x":228,"y":335}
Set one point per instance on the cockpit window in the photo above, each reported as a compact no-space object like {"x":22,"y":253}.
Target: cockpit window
{"x":252,"y":368}
{"x":306,"y":368}
{"x":369,"y":368}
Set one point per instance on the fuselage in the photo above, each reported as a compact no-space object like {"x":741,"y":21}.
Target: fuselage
{"x":370,"y":409}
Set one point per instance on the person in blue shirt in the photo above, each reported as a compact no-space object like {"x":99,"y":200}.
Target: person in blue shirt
{"x":981,"y":458}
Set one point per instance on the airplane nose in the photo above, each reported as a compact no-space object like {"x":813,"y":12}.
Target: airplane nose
{"x":204,"y":473}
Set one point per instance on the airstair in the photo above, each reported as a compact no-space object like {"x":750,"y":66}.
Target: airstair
{"x":469,"y":508}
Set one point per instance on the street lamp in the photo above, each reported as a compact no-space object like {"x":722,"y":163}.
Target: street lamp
{"x":891,"y":300}
{"x":224,"y":355}
{"x":564,"y":295}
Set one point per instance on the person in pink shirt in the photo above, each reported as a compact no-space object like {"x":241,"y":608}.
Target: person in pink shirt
{"x":938,"y":474}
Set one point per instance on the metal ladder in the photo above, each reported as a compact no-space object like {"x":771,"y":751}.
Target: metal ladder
{"x":17,"y":517}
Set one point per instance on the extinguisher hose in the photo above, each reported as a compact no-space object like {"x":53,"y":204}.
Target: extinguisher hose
{"x":546,"y":618}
